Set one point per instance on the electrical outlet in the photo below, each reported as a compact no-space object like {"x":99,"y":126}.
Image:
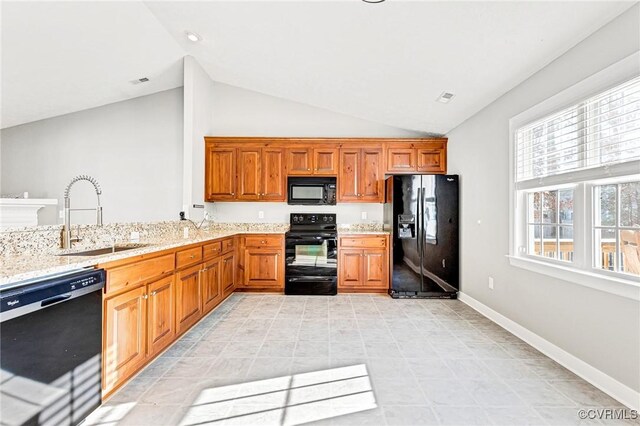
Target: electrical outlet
{"x":491,"y":283}
{"x":135,"y":236}
{"x":260,"y":214}
{"x":364,"y":215}
{"x":207,"y":216}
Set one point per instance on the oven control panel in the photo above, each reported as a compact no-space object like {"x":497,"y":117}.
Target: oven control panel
{"x":313,"y":218}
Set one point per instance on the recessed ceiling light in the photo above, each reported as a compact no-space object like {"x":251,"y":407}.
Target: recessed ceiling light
{"x":193,"y":36}
{"x":445,"y":97}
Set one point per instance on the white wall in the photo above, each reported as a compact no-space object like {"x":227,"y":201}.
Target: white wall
{"x":279,"y":212}
{"x":133,"y":148}
{"x":240,"y":112}
{"x":198,"y":95}
{"x":599,"y":328}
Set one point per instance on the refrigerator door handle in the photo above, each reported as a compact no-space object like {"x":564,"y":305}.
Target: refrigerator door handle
{"x":421,"y":238}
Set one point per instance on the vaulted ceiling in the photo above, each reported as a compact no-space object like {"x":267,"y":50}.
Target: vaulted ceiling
{"x":385,"y":62}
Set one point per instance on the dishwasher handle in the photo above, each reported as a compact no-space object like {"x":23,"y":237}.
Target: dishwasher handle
{"x":55,"y":299}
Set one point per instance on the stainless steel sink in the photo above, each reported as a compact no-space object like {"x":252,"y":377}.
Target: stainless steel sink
{"x":106,"y":250}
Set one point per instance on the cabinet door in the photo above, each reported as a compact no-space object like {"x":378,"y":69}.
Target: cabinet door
{"x":263,"y":267}
{"x":273,"y":179}
{"x":125,"y":336}
{"x":349,"y":268}
{"x":228,"y":272}
{"x":348,"y":176}
{"x":401,"y":160}
{"x":220,"y":172}
{"x":370,"y":178}
{"x":299,"y":161}
{"x":432,"y":159}
{"x":249,"y":174}
{"x":211,"y":280}
{"x":188,"y":299}
{"x":325,"y":161}
{"x":375,"y":270}
{"x":160,"y":314}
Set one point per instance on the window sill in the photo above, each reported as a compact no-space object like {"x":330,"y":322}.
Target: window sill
{"x":629,"y":289}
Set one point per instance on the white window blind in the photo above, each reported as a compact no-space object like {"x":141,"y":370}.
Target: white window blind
{"x":600,"y":131}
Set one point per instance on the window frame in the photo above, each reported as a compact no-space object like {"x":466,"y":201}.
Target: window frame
{"x":582,"y":269}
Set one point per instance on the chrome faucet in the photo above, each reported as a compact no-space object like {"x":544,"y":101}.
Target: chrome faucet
{"x":66,"y":231}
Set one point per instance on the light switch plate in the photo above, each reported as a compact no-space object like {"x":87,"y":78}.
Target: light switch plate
{"x":260,"y":214}
{"x":364,"y":215}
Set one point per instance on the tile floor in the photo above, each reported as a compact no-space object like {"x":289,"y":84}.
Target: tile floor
{"x":350,"y":359}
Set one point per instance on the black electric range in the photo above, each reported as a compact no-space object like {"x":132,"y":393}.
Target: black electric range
{"x":311,"y":247}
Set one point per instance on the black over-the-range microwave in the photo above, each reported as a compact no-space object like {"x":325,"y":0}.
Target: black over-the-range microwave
{"x":311,"y":190}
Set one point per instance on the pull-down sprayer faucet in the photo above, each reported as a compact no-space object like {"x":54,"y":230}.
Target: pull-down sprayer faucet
{"x":66,"y":231}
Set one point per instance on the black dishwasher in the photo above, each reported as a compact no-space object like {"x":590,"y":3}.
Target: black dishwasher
{"x":51,"y":348}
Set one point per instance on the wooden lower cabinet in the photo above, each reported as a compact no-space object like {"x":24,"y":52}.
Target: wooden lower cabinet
{"x":125,"y":331}
{"x":211,"y":285}
{"x":363,"y":263}
{"x":188,"y":298}
{"x":228,"y":279}
{"x":264,"y":267}
{"x":161,"y":328}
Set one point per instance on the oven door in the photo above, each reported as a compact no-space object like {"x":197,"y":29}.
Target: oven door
{"x":311,"y":254}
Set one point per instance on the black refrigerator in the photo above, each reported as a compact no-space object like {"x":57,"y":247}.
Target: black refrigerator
{"x":421,"y":212}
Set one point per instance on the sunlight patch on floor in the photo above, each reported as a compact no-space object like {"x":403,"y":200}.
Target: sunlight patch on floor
{"x":286,"y":400}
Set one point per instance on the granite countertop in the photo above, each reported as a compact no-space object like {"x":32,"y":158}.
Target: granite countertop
{"x":40,"y":262}
{"x":17,"y":268}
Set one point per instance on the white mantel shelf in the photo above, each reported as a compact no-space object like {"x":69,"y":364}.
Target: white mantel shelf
{"x":15,"y":212}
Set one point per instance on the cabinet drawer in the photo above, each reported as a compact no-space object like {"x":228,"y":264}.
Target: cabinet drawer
{"x":227,"y":245}
{"x":188,"y":257}
{"x":211,"y":250}
{"x":363,"y":242}
{"x":263,"y":241}
{"x":129,"y":275}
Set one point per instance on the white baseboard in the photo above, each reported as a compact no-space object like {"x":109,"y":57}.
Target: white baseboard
{"x":602,"y":381}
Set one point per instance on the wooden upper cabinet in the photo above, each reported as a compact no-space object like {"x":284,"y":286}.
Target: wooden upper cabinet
{"x":325,"y":161}
{"x":401,"y":160}
{"x":273,"y":179}
{"x":371,"y":179}
{"x":249,"y":174}
{"x":261,"y":174}
{"x":161,"y":315}
{"x":429,"y":156}
{"x":317,"y":161}
{"x":220,"y":172}
{"x":125,"y":324}
{"x":348,"y":177}
{"x":361,"y":175}
{"x":432,"y":159}
{"x":299,"y":161}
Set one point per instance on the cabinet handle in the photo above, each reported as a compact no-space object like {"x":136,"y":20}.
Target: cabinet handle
{"x":192,"y":256}
{"x":263,"y":242}
{"x":145,"y":296}
{"x":153,"y":293}
{"x":309,"y":169}
{"x":444,"y":263}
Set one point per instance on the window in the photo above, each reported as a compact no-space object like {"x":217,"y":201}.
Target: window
{"x":550,"y":224}
{"x":576,"y":183}
{"x":617,"y":227}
